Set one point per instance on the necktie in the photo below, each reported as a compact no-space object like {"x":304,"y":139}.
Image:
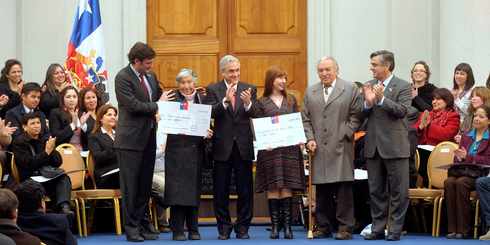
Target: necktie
{"x":143,"y":84}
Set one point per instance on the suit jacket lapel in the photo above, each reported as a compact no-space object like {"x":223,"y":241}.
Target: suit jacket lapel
{"x":336,"y":92}
{"x":317,"y":94}
{"x":238,"y":100}
{"x":136,"y":80}
{"x":392,"y":86}
{"x":222,"y":95}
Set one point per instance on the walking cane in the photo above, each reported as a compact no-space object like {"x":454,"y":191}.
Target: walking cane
{"x":310,"y":197}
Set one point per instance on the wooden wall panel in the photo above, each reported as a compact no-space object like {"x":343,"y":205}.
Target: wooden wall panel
{"x":167,"y":67}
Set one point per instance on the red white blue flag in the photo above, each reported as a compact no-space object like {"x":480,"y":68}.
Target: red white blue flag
{"x":86,"y":62}
{"x":184,"y":106}
{"x":275,"y":119}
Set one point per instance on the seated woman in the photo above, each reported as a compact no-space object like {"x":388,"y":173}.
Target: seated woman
{"x":32,"y":154}
{"x":474,"y":149}
{"x":184,"y":156}
{"x":479,"y":96}
{"x":88,"y":104}
{"x":101,"y":147}
{"x":10,"y":86}
{"x":438,"y":125}
{"x":64,"y":122}
{"x":55,"y":82}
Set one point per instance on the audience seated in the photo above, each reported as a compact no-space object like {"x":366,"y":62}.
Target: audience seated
{"x":479,"y":96}
{"x":33,"y":155}
{"x":31,"y":92}
{"x":55,"y":82}
{"x":51,"y":228}
{"x":438,"y":125}
{"x":8,"y":217}
{"x":463,"y":81}
{"x":474,"y":150}
{"x":101,"y":146}
{"x":89,"y":104}
{"x":10,"y":86}
{"x":64,"y":122}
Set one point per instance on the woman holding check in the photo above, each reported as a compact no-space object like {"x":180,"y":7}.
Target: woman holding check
{"x":184,"y":156}
{"x":280,"y":171}
{"x":474,"y":149}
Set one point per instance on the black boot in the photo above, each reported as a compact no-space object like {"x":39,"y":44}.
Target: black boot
{"x":191,"y":220}
{"x":286,"y":217}
{"x":274,"y":212}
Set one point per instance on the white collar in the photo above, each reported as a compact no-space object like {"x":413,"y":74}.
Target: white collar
{"x":102,"y":129}
{"x":387,"y":80}
{"x":27,"y":109}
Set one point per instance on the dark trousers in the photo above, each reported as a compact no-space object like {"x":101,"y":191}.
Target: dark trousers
{"x":221,"y":185}
{"x":184,"y":214}
{"x":457,"y":192}
{"x":335,"y":201}
{"x":136,"y":176}
{"x":483,"y":188}
{"x":58,"y":189}
{"x":388,"y":189}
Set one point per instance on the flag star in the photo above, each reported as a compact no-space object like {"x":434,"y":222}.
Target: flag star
{"x":83,"y":6}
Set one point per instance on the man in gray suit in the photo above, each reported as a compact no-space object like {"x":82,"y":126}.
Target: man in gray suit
{"x":330,"y":118}
{"x":386,"y":102}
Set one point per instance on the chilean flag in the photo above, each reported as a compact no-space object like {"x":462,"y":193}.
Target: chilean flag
{"x":86,"y":54}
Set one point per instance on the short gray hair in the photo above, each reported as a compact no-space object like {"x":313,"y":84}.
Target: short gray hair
{"x":227,"y":59}
{"x":325,"y":58}
{"x":387,"y":58}
{"x":186,"y":72}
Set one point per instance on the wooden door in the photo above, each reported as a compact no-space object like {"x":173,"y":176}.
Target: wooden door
{"x":197,"y":33}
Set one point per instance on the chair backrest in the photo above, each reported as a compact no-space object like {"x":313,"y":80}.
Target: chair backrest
{"x":14,"y":172}
{"x":73,"y":161}
{"x":417,"y":160}
{"x":91,"y":169}
{"x":443,"y":154}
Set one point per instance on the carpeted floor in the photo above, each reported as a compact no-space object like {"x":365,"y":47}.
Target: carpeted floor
{"x":259,"y":235}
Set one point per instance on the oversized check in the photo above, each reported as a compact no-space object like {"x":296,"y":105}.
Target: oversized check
{"x":184,"y":118}
{"x":278,"y":131}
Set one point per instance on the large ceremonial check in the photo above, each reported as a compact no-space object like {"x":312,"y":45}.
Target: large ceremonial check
{"x":278,"y":131}
{"x":184,"y":118}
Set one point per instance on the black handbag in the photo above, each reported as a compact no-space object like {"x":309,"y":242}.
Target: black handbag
{"x":50,"y":172}
{"x":467,"y":170}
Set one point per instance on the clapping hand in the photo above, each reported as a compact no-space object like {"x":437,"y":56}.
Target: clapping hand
{"x":167,"y":95}
{"x":425,"y":121}
{"x":311,"y":145}
{"x":50,"y":144}
{"x":369,"y":95}
{"x":202,"y":91}
{"x":84,"y":117}
{"x":379,"y":90}
{"x":4,"y":99}
{"x":460,"y":153}
{"x":415,"y":92}
{"x":6,"y":130}
{"x":230,"y":93}
{"x":246,"y":96}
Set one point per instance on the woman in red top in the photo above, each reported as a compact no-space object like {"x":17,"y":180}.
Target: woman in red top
{"x":441,"y":123}
{"x":438,"y":125}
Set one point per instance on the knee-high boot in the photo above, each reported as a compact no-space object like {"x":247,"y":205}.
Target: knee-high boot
{"x":286,"y":217}
{"x":274,"y":212}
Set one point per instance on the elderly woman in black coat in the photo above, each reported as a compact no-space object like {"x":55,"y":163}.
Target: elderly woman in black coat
{"x":184,"y":156}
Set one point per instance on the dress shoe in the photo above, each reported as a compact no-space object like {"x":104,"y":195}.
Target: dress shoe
{"x":178,"y":236}
{"x":65,"y":208}
{"x":149,"y":236}
{"x":321,"y":234}
{"x":343,"y":235}
{"x":149,"y":228}
{"x":393,"y":237}
{"x":224,"y":235}
{"x":451,"y":235}
{"x":374,"y":236}
{"x":462,"y":236}
{"x":132,"y":235}
{"x":242,"y":235}
{"x":194,"y":236}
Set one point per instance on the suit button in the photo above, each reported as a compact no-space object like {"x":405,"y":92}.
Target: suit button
{"x":325,"y":130}
{"x":324,"y":117}
{"x":325,"y":143}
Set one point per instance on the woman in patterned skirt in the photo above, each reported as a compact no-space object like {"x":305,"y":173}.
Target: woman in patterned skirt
{"x":280,"y":171}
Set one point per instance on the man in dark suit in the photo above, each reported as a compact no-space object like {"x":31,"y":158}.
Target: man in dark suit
{"x":386,"y":102}
{"x":232,"y":147}
{"x":51,"y":228}
{"x":137,"y":90}
{"x":8,"y":216}
{"x":30,"y":95}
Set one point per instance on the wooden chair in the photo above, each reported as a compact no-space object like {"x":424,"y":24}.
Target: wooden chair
{"x":442,"y":154}
{"x":99,"y":194}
